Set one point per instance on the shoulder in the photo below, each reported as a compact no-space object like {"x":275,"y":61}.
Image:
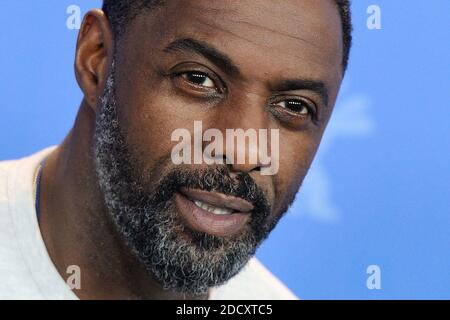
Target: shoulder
{"x":5,"y":169}
{"x":12,"y":268}
{"x":19,"y":234}
{"x":254,"y":282}
{"x":15,"y":176}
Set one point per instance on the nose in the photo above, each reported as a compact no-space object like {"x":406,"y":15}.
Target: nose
{"x":244,"y":123}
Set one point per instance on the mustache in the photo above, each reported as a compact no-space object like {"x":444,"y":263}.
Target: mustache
{"x":213,"y":178}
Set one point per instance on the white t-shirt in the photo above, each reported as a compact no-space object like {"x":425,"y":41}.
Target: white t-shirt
{"x":27,"y":272}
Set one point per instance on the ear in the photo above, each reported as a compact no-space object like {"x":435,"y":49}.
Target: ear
{"x":93,"y":56}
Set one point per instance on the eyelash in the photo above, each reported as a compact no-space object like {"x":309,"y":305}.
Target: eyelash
{"x":218,"y":88}
{"x":311,"y":109}
{"x":299,"y":101}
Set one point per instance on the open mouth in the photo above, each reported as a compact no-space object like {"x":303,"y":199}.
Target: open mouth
{"x":213,"y":209}
{"x":213,"y":213}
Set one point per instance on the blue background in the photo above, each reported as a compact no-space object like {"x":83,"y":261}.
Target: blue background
{"x":378,"y":192}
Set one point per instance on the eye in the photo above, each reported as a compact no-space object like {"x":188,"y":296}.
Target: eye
{"x":199,"y":79}
{"x":296,"y":105}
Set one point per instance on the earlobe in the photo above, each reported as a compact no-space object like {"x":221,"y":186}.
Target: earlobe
{"x":93,"y":55}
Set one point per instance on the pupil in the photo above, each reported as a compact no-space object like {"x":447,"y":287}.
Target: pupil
{"x":196,"y":78}
{"x":295,"y":105}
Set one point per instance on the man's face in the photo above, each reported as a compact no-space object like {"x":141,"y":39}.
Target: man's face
{"x":231,"y":65}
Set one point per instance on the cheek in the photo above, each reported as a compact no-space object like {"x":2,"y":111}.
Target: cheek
{"x":146,"y":112}
{"x":296,"y":155}
{"x":149,"y":113}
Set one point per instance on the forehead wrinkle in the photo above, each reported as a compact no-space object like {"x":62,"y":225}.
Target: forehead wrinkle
{"x":232,"y":16}
{"x":212,"y":25}
{"x":208,"y":19}
{"x":218,"y":11}
{"x":254,"y":25}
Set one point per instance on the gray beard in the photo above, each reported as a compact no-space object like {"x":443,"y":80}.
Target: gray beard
{"x":146,"y":218}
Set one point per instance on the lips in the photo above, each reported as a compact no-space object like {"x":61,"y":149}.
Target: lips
{"x":212,"y":212}
{"x":218,"y":199}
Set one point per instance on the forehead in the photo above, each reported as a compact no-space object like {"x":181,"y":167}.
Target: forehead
{"x":262,"y":37}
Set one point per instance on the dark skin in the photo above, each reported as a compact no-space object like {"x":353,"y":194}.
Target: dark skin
{"x":267,"y":46}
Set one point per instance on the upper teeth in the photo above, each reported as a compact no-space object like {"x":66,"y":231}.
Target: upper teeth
{"x":213,"y":209}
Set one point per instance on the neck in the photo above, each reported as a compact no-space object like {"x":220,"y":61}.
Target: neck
{"x":76,"y":228}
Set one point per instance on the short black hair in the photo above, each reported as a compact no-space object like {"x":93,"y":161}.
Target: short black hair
{"x":121,"y":12}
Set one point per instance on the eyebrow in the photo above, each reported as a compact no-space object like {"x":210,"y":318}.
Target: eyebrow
{"x":208,"y":51}
{"x":316,"y":86}
{"x":226,"y":64}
